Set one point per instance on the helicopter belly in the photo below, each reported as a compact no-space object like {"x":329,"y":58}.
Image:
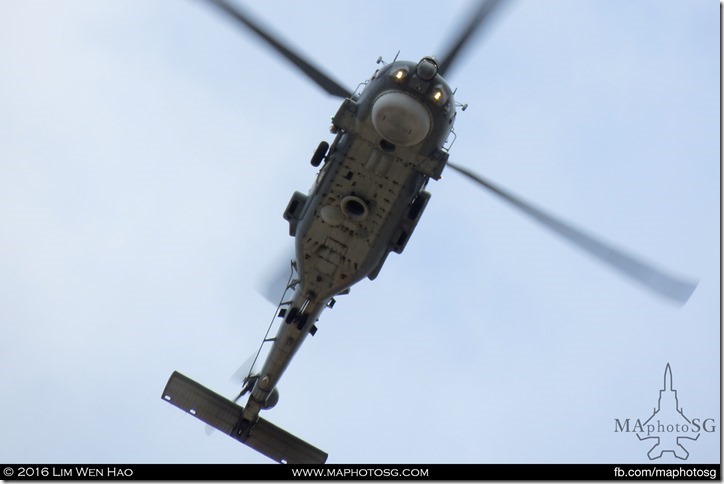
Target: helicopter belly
{"x":354,"y":216}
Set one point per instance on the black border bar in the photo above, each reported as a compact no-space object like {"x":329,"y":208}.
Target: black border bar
{"x":418,"y":472}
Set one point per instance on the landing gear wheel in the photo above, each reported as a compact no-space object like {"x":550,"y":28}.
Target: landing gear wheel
{"x":319,"y":154}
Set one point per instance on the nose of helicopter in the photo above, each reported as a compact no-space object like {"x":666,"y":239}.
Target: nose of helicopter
{"x":400,"y":118}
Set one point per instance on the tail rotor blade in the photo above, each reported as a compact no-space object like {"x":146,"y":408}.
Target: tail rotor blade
{"x":285,"y":50}
{"x":245,"y":370}
{"x":237,"y":378}
{"x":663,"y":284}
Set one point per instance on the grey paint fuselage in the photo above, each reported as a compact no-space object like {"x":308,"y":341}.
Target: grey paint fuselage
{"x":366,"y":200}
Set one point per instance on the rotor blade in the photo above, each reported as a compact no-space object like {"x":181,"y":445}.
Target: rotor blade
{"x":476,"y":21}
{"x":245,"y":370}
{"x":657,"y":281}
{"x":238,"y":378}
{"x":274,"y":283}
{"x":320,"y":78}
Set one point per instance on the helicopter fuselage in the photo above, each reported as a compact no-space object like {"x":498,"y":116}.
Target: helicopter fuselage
{"x":366,"y":201}
{"x":369,"y":194}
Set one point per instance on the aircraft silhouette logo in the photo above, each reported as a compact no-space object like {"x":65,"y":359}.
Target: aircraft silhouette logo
{"x":668,"y":428}
{"x":670,"y":424}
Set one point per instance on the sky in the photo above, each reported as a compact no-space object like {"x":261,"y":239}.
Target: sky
{"x":149,"y":148}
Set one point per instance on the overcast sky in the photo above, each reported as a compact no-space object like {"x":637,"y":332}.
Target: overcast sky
{"x":149,"y":148}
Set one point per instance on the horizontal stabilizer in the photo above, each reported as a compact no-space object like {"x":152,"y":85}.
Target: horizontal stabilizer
{"x":226,"y":416}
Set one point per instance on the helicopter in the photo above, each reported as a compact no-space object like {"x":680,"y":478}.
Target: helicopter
{"x":392,"y":137}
